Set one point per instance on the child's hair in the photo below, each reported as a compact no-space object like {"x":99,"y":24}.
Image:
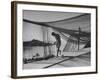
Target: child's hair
{"x":53,"y":33}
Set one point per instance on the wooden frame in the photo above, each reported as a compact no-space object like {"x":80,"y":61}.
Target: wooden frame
{"x":14,"y":38}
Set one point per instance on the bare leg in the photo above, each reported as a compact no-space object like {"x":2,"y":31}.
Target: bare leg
{"x":58,"y":51}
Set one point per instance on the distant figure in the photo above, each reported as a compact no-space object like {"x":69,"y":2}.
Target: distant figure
{"x":58,"y":42}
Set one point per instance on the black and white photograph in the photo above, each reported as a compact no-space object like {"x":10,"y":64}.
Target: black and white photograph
{"x":56,"y":39}
{"x":53,"y":39}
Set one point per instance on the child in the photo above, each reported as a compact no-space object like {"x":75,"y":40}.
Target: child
{"x":58,"y":42}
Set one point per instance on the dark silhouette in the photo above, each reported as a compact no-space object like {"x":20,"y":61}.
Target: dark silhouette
{"x":58,"y":42}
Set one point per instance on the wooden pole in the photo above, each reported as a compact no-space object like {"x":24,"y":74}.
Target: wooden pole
{"x":79,"y":38}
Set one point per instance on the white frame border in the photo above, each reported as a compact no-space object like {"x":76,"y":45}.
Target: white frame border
{"x":21,"y":72}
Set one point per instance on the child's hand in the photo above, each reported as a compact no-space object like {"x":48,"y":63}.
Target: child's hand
{"x":54,"y":43}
